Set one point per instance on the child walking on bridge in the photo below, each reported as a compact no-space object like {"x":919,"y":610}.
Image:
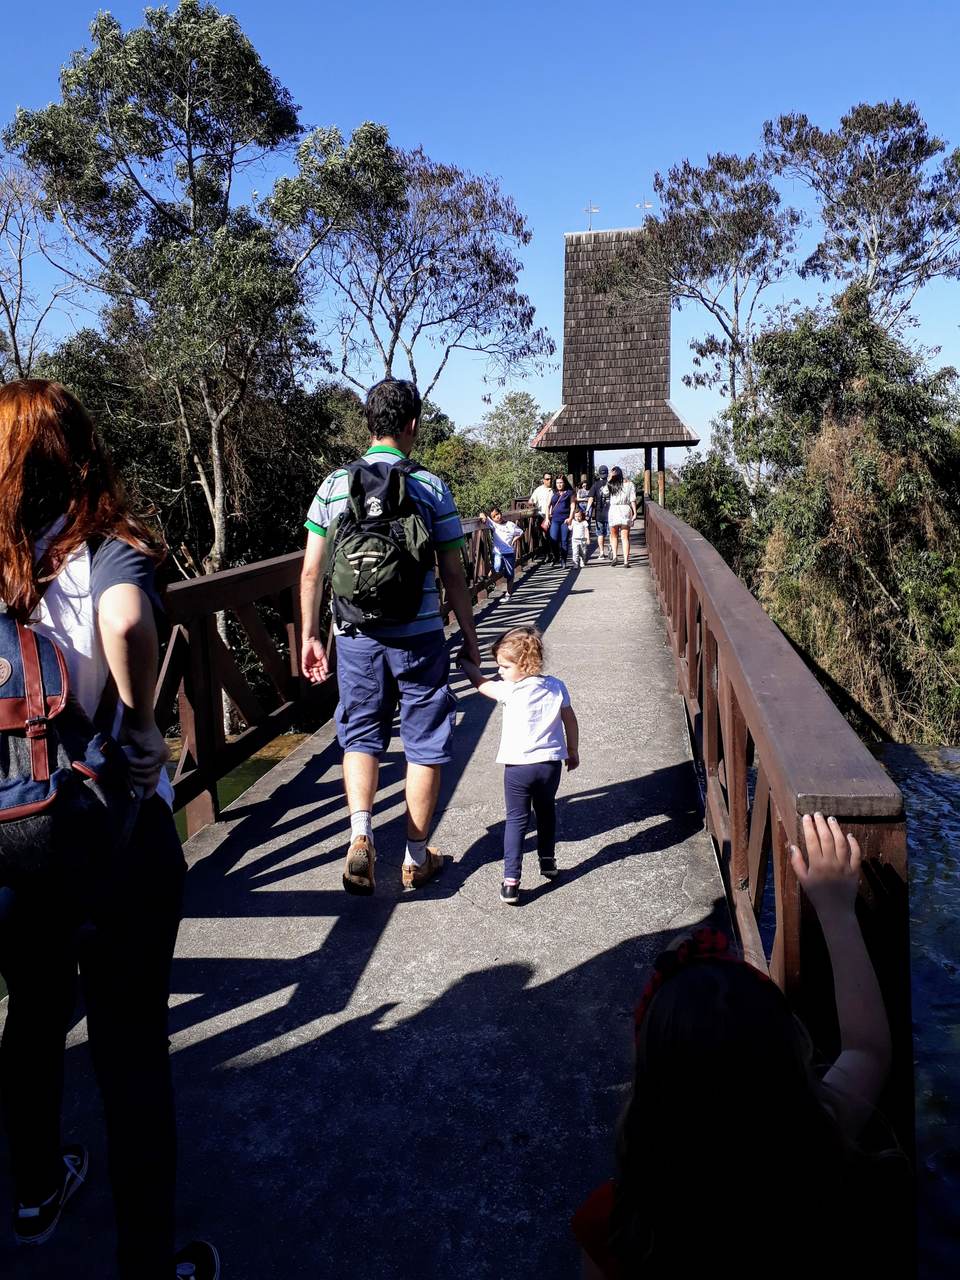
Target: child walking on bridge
{"x":539,"y":732}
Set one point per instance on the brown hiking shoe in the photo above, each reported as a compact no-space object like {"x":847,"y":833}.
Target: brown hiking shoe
{"x":358,"y":868}
{"x":417,"y":877}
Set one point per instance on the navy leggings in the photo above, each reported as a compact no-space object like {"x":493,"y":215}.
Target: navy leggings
{"x":523,"y":785}
{"x":560,"y":538}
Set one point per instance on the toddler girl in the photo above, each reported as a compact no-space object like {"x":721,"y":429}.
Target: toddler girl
{"x":579,"y":538}
{"x":539,"y":732}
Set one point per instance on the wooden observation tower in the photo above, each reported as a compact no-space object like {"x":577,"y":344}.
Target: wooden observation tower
{"x":616,"y":366}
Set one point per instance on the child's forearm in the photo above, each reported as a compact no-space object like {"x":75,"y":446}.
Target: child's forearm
{"x":861,"y":1013}
{"x":571,"y":729}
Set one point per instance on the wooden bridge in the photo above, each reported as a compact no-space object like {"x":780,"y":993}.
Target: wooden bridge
{"x":426,"y":1085}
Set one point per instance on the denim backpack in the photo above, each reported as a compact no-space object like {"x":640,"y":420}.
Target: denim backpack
{"x":381,"y":548}
{"x":65,"y":792}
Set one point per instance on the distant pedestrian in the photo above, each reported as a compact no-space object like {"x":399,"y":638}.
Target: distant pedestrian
{"x":583,"y":493}
{"x":539,"y":732}
{"x":579,"y":538}
{"x":390,"y":642}
{"x":561,"y":506}
{"x":623,"y":512}
{"x":598,"y":505}
{"x":506,"y":540}
{"x":541,"y":498}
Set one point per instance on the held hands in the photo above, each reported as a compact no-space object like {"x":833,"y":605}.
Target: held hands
{"x":829,"y":869}
{"x":313,"y":660}
{"x":148,"y":756}
{"x":471,"y":651}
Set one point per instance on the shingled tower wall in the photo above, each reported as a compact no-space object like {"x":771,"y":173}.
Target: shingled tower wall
{"x":616,"y":361}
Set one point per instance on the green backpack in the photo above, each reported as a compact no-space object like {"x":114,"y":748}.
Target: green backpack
{"x":381,"y":549}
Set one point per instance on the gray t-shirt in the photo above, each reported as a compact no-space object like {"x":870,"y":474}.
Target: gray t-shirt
{"x":114,"y":563}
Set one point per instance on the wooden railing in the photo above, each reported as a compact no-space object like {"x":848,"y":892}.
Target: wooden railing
{"x":201,"y":675}
{"x":774,"y":747}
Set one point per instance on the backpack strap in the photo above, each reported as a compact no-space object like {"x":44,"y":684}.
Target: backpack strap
{"x":36,"y":725}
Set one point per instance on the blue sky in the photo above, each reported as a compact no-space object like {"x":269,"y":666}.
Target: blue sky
{"x":569,"y":102}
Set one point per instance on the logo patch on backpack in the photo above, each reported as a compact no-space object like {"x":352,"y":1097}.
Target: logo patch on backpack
{"x":6,"y":671}
{"x":381,"y":548}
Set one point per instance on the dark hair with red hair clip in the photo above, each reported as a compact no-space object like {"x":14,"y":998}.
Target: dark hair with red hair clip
{"x":703,"y":944}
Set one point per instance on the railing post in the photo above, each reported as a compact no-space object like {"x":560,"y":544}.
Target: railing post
{"x":201,"y":711}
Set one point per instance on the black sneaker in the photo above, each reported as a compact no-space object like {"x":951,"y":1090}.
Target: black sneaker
{"x":35,"y":1224}
{"x":198,"y":1260}
{"x":510,"y":893}
{"x":548,"y":868}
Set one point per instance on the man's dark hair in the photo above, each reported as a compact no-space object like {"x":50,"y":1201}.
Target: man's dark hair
{"x":390,"y":405}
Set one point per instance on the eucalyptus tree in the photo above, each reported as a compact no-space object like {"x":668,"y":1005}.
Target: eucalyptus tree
{"x":147,"y":161}
{"x":888,"y":194}
{"x":426,"y":268}
{"x":27,"y":300}
{"x":721,"y":240}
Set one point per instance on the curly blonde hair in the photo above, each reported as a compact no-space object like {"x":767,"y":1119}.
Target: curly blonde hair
{"x":524,"y":646}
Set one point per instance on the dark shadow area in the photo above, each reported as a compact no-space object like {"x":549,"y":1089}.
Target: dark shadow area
{"x":454,"y":1143}
{"x":584,"y":817}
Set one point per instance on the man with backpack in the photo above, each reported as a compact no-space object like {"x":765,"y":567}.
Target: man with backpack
{"x":378,"y":528}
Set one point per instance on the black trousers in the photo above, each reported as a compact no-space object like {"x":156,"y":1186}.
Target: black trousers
{"x":525,"y":785}
{"x":123,"y":952}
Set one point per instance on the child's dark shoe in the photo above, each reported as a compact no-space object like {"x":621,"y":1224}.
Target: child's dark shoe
{"x":548,"y":868}
{"x":510,"y":893}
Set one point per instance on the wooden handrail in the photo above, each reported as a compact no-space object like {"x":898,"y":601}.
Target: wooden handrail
{"x":773,"y":747}
{"x":199,"y":671}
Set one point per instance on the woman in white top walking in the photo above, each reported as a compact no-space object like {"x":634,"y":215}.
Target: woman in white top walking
{"x":539,"y":732}
{"x":623,"y":512}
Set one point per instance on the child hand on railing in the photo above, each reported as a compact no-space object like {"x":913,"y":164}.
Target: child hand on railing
{"x":828,"y":868}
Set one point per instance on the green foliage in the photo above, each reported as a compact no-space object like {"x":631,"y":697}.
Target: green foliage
{"x":722,"y":238}
{"x":421,"y":260}
{"x":889,"y":206}
{"x":862,"y":529}
{"x":206,"y":310}
{"x":507,"y":430}
{"x":711,"y":496}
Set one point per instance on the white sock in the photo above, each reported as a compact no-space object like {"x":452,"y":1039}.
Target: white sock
{"x":416,"y":854}
{"x":361,"y":824}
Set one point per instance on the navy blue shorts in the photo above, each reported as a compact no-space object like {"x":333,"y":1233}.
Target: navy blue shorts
{"x":375,"y":676}
{"x":603,"y":527}
{"x":505,"y":562}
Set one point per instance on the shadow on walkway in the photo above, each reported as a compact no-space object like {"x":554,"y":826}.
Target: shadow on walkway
{"x":430,"y":1102}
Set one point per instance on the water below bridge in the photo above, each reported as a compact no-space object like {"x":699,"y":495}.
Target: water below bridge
{"x":423,"y":1084}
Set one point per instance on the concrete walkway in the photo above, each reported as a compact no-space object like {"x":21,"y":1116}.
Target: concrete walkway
{"x":423,"y":1085}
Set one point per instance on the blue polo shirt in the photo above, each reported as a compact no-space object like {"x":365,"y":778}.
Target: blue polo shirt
{"x":440,"y":513}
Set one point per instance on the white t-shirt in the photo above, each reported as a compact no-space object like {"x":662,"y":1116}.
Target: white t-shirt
{"x":532,"y":729}
{"x":580,"y":531}
{"x":620,"y":503}
{"x":541,"y":498}
{"x":67,"y":615}
{"x":504,"y":534}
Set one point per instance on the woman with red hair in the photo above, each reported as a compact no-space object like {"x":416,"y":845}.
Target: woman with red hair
{"x":77,"y":566}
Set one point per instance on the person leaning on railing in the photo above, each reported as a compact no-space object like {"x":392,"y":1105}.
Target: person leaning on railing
{"x":727,"y":1116}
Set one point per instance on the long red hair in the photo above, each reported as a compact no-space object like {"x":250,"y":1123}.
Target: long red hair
{"x":53,"y":465}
